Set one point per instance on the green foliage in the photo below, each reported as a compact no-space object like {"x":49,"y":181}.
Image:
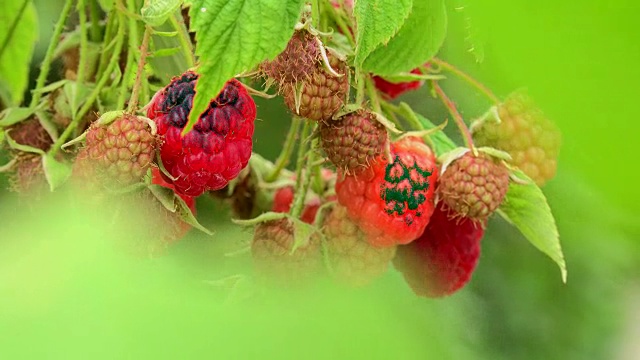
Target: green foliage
{"x":377,"y":21}
{"x":156,"y":12}
{"x":234,"y":36}
{"x":416,"y":42}
{"x":55,"y":171}
{"x":526,"y":207}
{"x":18,"y":34}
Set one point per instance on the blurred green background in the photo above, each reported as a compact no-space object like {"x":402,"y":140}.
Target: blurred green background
{"x":62,"y":297}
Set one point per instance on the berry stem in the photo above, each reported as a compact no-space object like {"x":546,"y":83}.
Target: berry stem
{"x":106,"y":42}
{"x":84,"y":46}
{"x":124,"y":87}
{"x":185,"y":40}
{"x":373,"y":95}
{"x":135,"y":92}
{"x":96,"y":33}
{"x":287,"y":150}
{"x":48,"y":57}
{"x":468,"y":79}
{"x":453,"y":110}
{"x":301,"y":193}
{"x":113,"y":61}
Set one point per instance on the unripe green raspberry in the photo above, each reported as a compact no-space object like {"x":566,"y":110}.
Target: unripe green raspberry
{"x":352,"y":259}
{"x":323,"y":94}
{"x":474,"y":186}
{"x":354,"y":140}
{"x":523,"y":131}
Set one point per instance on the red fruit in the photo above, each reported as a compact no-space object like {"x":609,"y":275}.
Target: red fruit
{"x":442,"y":260}
{"x":354,"y":140}
{"x":392,"y":202}
{"x":352,"y":259}
{"x":219,"y":145}
{"x":276,"y":262}
{"x":283,"y":199}
{"x":393,"y":90}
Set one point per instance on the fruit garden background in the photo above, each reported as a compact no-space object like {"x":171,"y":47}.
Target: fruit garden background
{"x":63,"y":295}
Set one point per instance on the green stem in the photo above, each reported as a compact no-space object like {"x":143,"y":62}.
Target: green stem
{"x":468,"y":79}
{"x":315,"y":13}
{"x":96,"y":33}
{"x":453,"y":110}
{"x":84,"y":46}
{"x":305,"y":182}
{"x":344,"y":28}
{"x":360,"y":88}
{"x":373,"y":94}
{"x":135,"y":93}
{"x":126,"y":78}
{"x":113,"y":61}
{"x":48,"y":57}
{"x":300,"y":194}
{"x":185,"y":40}
{"x":108,"y":35}
{"x":287,"y":150}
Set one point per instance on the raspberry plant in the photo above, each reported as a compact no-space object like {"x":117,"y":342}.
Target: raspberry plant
{"x":154,"y":105}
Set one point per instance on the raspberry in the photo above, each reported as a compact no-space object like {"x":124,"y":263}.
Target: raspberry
{"x":353,"y":260}
{"x":531,"y":139}
{"x":121,"y":151}
{"x":283,"y":199}
{"x":274,"y":260}
{"x":354,"y":140}
{"x":27,"y":177}
{"x":392,"y":203}
{"x":219,"y":145}
{"x":297,"y":62}
{"x":393,"y":90}
{"x":323,"y":94}
{"x":442,"y":260}
{"x":474,"y":186}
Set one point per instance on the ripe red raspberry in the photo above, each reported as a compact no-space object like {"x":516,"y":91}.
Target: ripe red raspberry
{"x":323,"y":94}
{"x":219,"y":145}
{"x":283,"y":199}
{"x":392,"y":202}
{"x":274,"y":260}
{"x":119,"y":153}
{"x":532,"y":140}
{"x":354,"y":140}
{"x":297,"y":62}
{"x":474,"y":186}
{"x":393,"y":90}
{"x":352,"y":259}
{"x":441,"y":261}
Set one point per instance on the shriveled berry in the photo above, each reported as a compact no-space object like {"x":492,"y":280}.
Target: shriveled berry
{"x":442,"y":260}
{"x":31,"y":133}
{"x":297,"y":62}
{"x":354,"y":140}
{"x":218,"y":146}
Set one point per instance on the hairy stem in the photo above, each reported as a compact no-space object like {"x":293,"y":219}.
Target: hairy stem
{"x":468,"y":79}
{"x":135,"y":93}
{"x":48,"y":57}
{"x":106,"y":41}
{"x":287,"y":150}
{"x":124,"y":86}
{"x":113,"y":61}
{"x":96,"y":33}
{"x":453,"y":110}
{"x":84,"y":46}
{"x":300,"y":194}
{"x":373,"y":95}
{"x":185,"y":40}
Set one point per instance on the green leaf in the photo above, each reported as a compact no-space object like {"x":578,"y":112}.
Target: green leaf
{"x":12,"y":116}
{"x":234,"y":36}
{"x":187,"y":216}
{"x":416,"y":42}
{"x":156,"y":12}
{"x":55,"y":171}
{"x":76,"y":94}
{"x":18,"y":34}
{"x":441,"y":142}
{"x":526,"y":207}
{"x":378,"y":21}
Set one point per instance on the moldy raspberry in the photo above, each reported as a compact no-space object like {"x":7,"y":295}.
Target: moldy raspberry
{"x":442,"y":260}
{"x":474,"y":186}
{"x":218,"y":146}
{"x":392,"y":202}
{"x":354,"y":140}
